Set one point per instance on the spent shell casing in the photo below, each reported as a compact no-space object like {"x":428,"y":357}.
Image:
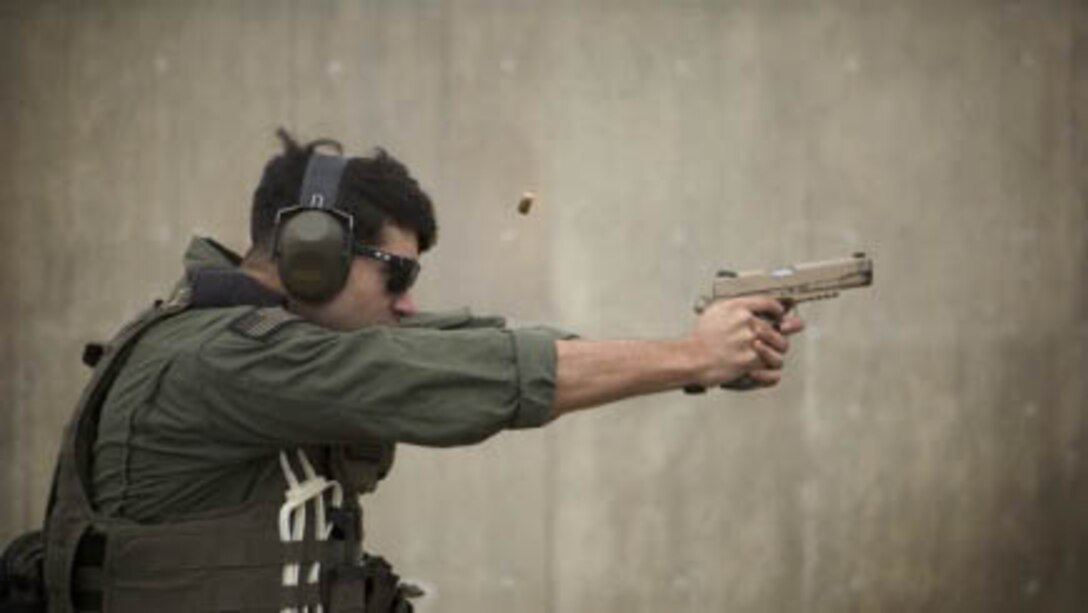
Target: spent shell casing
{"x":526,"y":203}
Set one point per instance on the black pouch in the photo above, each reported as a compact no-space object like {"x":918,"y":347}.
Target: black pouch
{"x":22,"y":584}
{"x":384,"y":592}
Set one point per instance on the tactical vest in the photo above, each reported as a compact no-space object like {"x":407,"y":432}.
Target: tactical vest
{"x":299,"y":552}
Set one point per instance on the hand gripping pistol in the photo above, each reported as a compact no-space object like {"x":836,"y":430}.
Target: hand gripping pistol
{"x":791,"y":285}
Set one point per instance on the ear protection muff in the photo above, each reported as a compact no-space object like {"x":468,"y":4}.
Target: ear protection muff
{"x":313,"y":244}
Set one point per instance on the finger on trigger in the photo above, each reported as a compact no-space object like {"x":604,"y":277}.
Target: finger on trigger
{"x":766,"y":305}
{"x":792,"y":325}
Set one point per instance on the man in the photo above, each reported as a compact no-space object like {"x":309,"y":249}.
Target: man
{"x":215,"y":462}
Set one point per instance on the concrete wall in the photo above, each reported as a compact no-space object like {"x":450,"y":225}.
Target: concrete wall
{"x":929,"y":451}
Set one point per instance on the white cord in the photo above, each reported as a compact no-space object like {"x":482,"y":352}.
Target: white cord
{"x":292,"y":519}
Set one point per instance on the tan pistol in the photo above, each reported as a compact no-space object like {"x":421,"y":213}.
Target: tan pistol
{"x":790,"y":285}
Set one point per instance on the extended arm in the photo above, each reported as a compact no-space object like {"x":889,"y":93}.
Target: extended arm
{"x":729,"y":340}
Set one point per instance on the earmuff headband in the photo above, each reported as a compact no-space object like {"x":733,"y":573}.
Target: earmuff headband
{"x":321,"y":185}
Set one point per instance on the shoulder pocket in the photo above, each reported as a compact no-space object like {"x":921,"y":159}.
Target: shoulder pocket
{"x":262,"y":323}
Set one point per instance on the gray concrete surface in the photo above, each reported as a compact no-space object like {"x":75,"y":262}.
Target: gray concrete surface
{"x":929,"y":451}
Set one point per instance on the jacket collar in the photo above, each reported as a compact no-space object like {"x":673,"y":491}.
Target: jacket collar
{"x":212,"y":273}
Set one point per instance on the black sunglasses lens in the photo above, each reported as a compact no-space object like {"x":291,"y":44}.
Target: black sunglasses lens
{"x":400,"y":272}
{"x":402,"y":275}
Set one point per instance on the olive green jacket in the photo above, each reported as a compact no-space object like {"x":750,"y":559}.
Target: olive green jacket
{"x":207,"y":398}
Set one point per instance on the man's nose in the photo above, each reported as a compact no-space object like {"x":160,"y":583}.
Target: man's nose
{"x":405,"y":305}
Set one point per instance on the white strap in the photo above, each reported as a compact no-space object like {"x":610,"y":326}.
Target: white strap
{"x":292,"y":517}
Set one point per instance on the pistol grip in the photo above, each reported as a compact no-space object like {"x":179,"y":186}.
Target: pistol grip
{"x":788,"y":304}
{"x":739,"y":384}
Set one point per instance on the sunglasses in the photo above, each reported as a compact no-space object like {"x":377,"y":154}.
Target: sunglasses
{"x":400,"y":271}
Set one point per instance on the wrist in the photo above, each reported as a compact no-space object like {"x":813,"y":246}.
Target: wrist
{"x":696,"y":361}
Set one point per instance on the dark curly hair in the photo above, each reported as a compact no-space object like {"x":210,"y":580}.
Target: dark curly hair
{"x":376,"y":190}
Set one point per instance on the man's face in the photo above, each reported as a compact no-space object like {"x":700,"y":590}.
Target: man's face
{"x":365,"y":300}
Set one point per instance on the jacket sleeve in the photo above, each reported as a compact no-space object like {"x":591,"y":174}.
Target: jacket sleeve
{"x":438,"y":381}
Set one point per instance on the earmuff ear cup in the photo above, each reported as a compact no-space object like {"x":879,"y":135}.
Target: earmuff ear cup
{"x":313,"y":255}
